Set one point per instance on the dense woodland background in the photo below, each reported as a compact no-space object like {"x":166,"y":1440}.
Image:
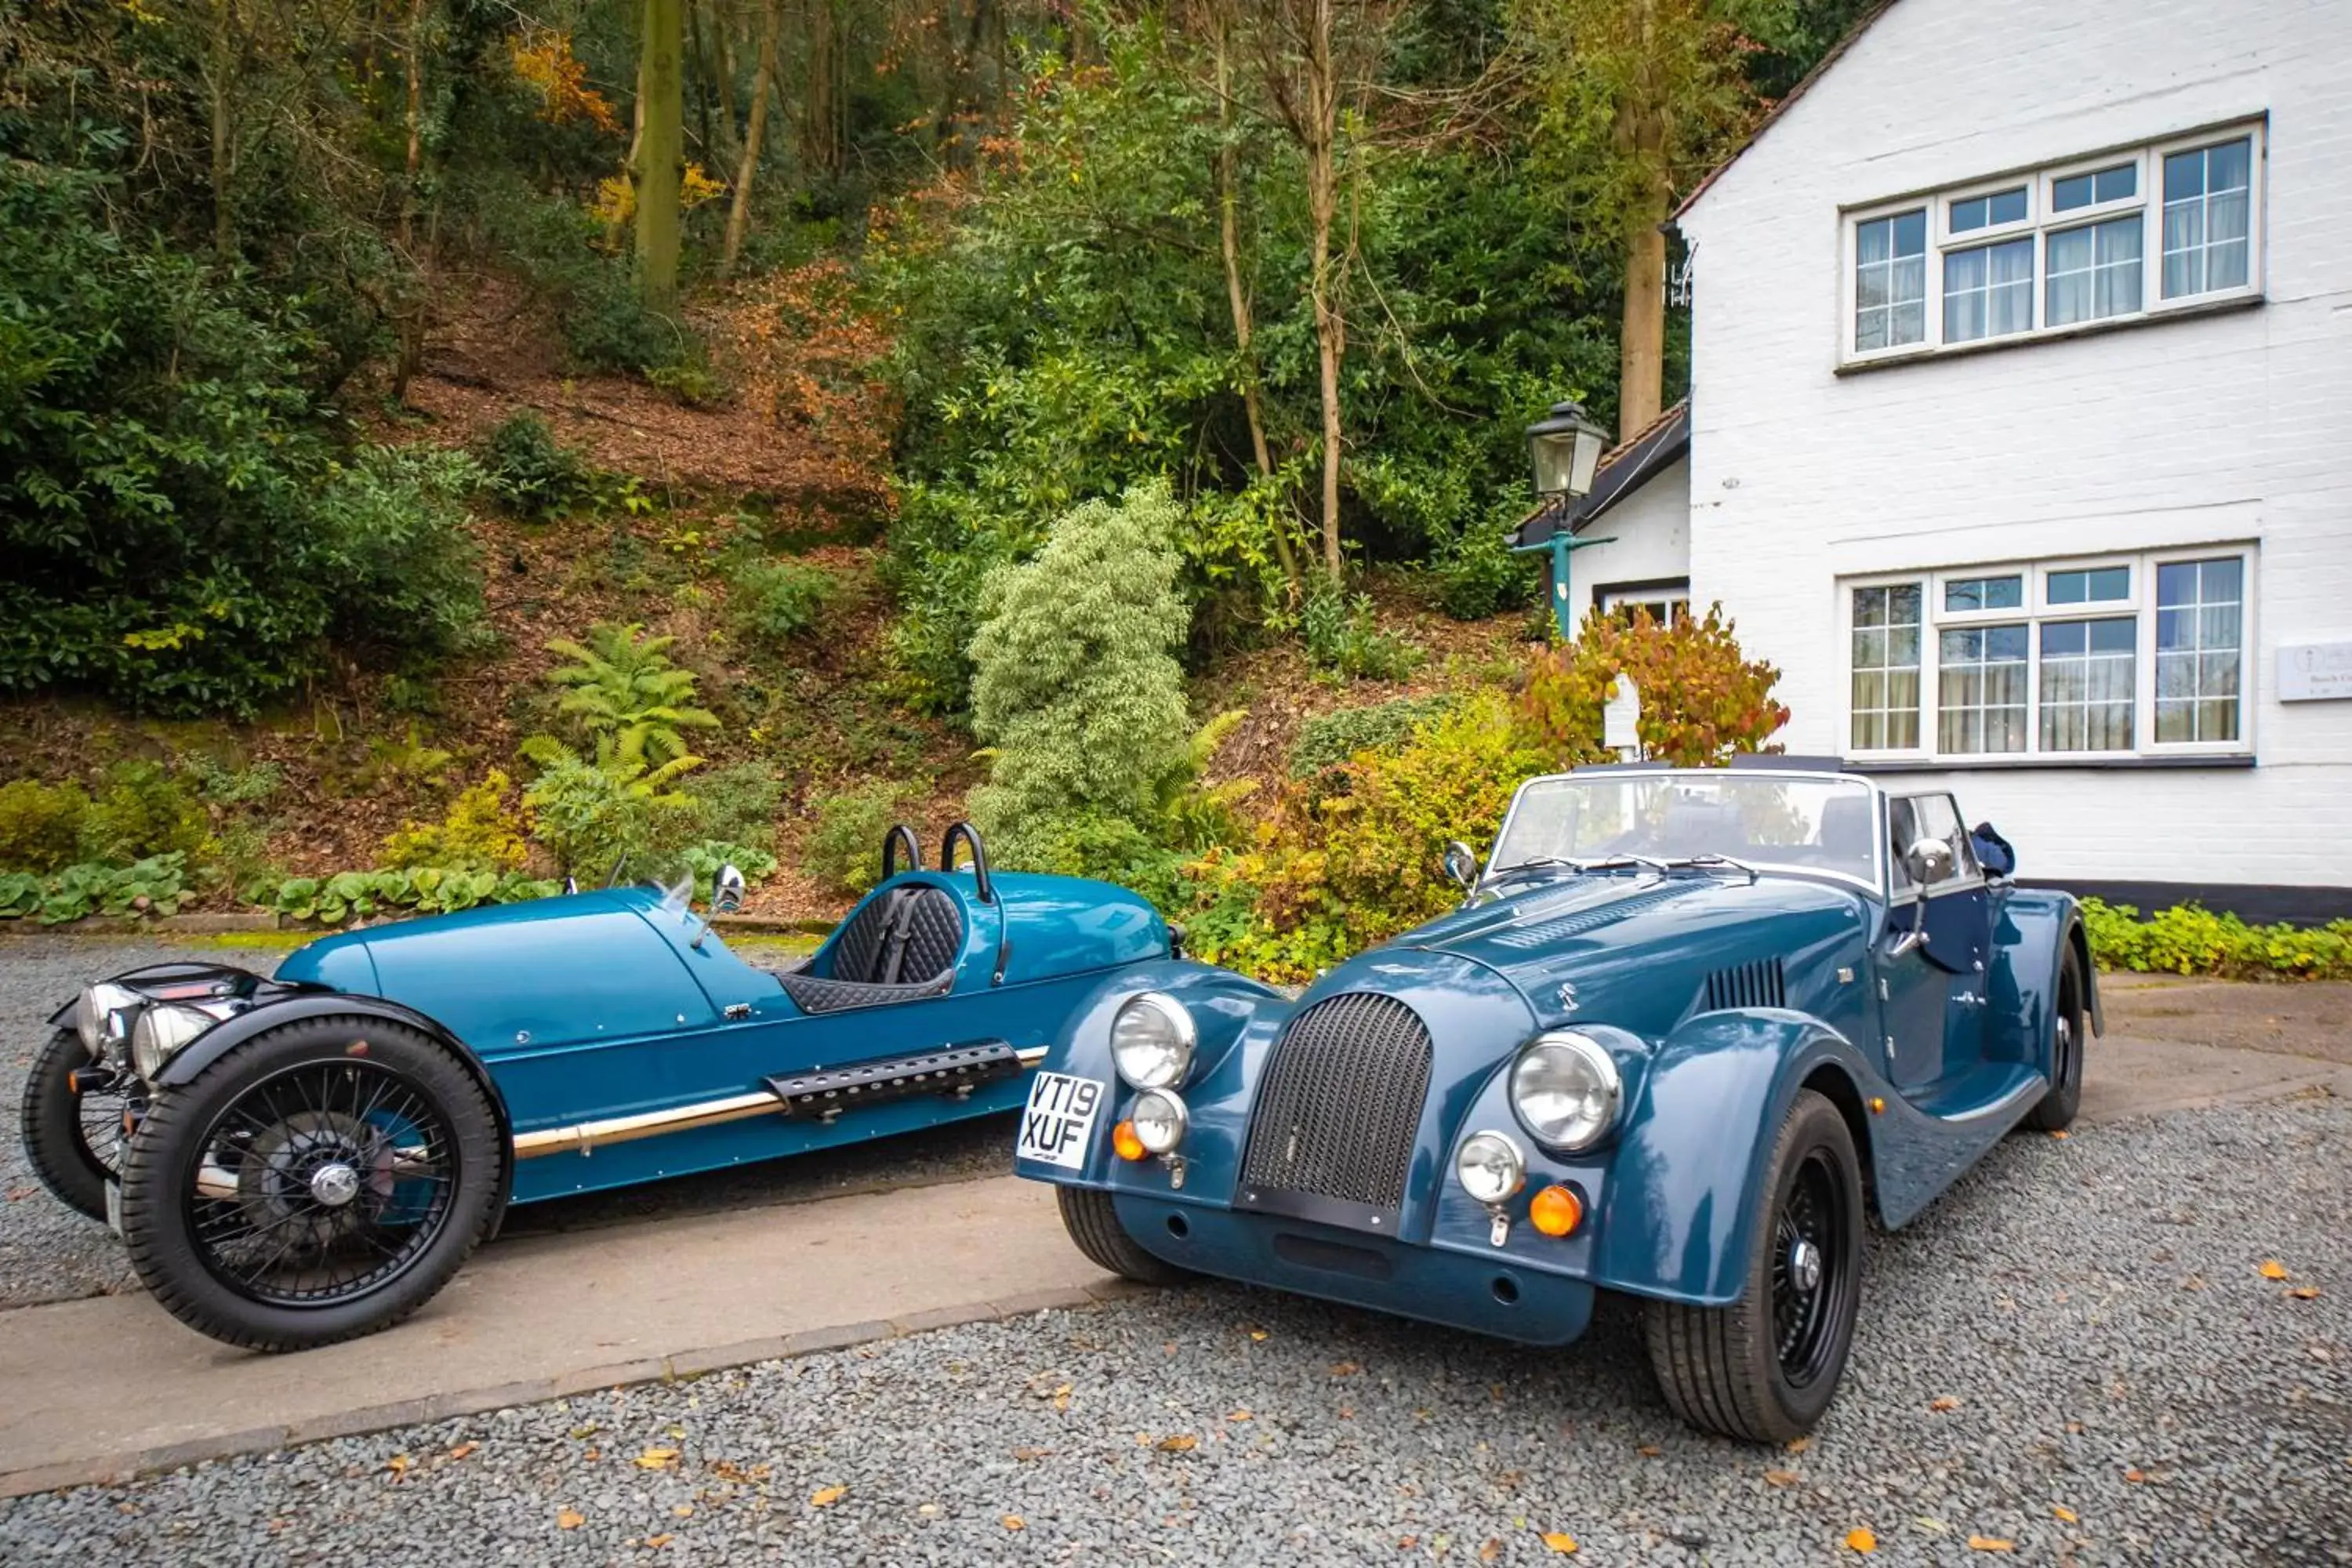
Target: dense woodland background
{"x":447,"y":444}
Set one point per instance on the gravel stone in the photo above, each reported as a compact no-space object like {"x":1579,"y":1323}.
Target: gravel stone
{"x":2093,"y":1307}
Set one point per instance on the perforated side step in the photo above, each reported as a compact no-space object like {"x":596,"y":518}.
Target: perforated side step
{"x":953,"y":1070}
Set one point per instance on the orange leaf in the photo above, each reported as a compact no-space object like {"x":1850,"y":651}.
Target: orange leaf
{"x":2303,"y":1292}
{"x":1013,"y":1521}
{"x":569,"y":1519}
{"x":2061,"y":1132}
{"x":825,"y":1497}
{"x":2134,"y":1476}
{"x":1943,"y":1402}
{"x":1562,"y":1543}
{"x":1649,"y":1450}
{"x":1861,"y":1539}
{"x":1179,"y":1443}
{"x":1238,"y":1415}
{"x":1799,"y":1444}
{"x":1780,"y":1478}
{"x":656,"y":1458}
{"x":683,"y":1510}
{"x":1990,"y":1543}
{"x":2065,"y":1513}
{"x":397,"y":1464}
{"x":658,"y":1541}
{"x":2272,"y":1268}
{"x":462,"y":1449}
{"x":1345,"y":1369}
{"x":1492,"y":1550}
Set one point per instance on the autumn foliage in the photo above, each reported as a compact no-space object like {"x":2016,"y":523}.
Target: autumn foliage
{"x":1702,"y":698}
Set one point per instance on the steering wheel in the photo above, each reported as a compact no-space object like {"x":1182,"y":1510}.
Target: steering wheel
{"x":900,"y":835}
{"x":971,"y":836}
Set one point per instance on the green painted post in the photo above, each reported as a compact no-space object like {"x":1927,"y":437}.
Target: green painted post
{"x":1561,"y":544}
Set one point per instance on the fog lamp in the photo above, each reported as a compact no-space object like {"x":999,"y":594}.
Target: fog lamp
{"x":1158,"y":1119}
{"x":1490,"y":1167}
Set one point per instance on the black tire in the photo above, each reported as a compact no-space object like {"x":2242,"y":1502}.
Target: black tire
{"x":2068,"y":1033}
{"x":268,"y":1115}
{"x":73,"y":1140}
{"x":1093,"y":1225}
{"x":1765,"y":1368}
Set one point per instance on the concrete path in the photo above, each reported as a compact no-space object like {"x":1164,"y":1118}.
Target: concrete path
{"x":110,"y":1386}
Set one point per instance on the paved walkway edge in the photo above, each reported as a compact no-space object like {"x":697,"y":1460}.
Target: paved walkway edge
{"x":115,"y":1469}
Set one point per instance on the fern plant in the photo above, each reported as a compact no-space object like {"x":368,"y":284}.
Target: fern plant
{"x":595,"y":812}
{"x":622,"y":685}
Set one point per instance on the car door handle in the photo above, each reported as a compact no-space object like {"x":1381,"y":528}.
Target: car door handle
{"x":1910,"y":941}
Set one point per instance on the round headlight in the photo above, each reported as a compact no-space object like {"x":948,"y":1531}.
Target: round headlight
{"x":1158,"y":1119}
{"x":1565,"y":1089}
{"x":161,"y":1032}
{"x":1151,"y":1041}
{"x":101,"y":1015}
{"x":1490,"y":1167}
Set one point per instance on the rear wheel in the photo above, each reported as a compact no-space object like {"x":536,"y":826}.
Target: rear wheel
{"x":1765,"y":1368}
{"x":317,"y":1182}
{"x":2068,"y":1031}
{"x":1093,"y":1224}
{"x":72,"y":1122}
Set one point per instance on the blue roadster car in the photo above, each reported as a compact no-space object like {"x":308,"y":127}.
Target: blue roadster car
{"x":303,"y":1158}
{"x":1686,"y":1028}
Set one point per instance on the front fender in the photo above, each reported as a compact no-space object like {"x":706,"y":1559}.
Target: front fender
{"x":2032,"y":931}
{"x":1678,"y":1209}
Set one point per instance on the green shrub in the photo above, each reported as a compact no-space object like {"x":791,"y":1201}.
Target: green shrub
{"x":40,"y":825}
{"x":1702,"y":698}
{"x":1343,"y":639}
{"x":770,"y":603}
{"x":2190,"y":939}
{"x":481,"y":831}
{"x":533,"y":476}
{"x":140,"y":809}
{"x":1476,"y":576}
{"x":738,"y":804}
{"x":155,"y":885}
{"x":421,"y":890}
{"x":595,"y":814}
{"x":703,"y":861}
{"x":1328,"y":740}
{"x":691,"y":382}
{"x":844,"y":849}
{"x":1076,"y":688}
{"x":620,"y":686}
{"x":397,"y":541}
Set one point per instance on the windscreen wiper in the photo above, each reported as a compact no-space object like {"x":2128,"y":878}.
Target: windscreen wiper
{"x":1711,"y":861}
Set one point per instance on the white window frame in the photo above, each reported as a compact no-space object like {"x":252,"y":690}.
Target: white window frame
{"x":2035,"y":611}
{"x":2041,"y":221}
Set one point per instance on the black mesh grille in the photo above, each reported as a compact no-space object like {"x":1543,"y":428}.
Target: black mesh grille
{"x":1757,"y":985}
{"x":1341,"y":1101}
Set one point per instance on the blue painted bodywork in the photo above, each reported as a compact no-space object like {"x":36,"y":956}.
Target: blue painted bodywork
{"x":617,"y":1004}
{"x":1624,"y":955}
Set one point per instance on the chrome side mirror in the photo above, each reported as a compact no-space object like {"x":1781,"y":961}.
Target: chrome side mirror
{"x":1461,"y":864}
{"x":1929,"y":861}
{"x":727,"y":890}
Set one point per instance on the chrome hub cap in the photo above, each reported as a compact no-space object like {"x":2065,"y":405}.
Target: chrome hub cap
{"x":1805,"y":1266}
{"x":333,"y":1187}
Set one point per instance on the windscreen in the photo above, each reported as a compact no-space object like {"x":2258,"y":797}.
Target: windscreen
{"x":1763,"y":819}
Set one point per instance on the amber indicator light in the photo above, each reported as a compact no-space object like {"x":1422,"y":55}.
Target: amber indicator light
{"x":1556,"y":1211}
{"x":1123,"y":1138}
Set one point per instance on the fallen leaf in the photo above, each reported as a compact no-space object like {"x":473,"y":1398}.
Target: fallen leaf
{"x":1799,"y":1444}
{"x":2065,"y":1513}
{"x":2303,"y":1292}
{"x":1238,"y":1415}
{"x":462,"y":1449}
{"x":2272,"y":1268}
{"x":1345,"y":1369}
{"x":1932,"y":1526}
{"x":2134,"y":1476}
{"x":587,"y":1431}
{"x":1257,"y":1333}
{"x":1780,"y":1478}
{"x":1492,"y":1550}
{"x":1178,"y":1443}
{"x":2059,"y":1133}
{"x":683,"y":1510}
{"x":1013,"y":1521}
{"x":1861,"y":1539}
{"x":1943,"y":1402}
{"x":1990,"y":1543}
{"x":397,"y":1464}
{"x":1026,"y":1455}
{"x":825,"y":1497}
{"x":591,"y":1456}
{"x":656,"y":1458}
{"x":1407,"y":1543}
{"x":658,"y":1541}
{"x":1562,"y":1543}
{"x":1062,"y":1397}
{"x":569,"y":1519}
{"x":1649,"y":1450}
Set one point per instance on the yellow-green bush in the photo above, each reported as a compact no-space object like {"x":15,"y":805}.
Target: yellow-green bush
{"x":481,"y":831}
{"x":2190,"y":939}
{"x":40,"y":825}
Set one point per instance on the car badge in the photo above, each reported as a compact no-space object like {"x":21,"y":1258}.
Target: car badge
{"x":1567,"y":996}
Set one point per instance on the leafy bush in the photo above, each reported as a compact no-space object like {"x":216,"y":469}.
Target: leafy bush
{"x":141,"y":810}
{"x":40,"y":825}
{"x":737,"y":804}
{"x":481,"y":831}
{"x":533,"y":474}
{"x":1477,"y":575}
{"x":1702,"y":698}
{"x":844,"y":849}
{"x":770,"y":603}
{"x":622,"y":687}
{"x":691,"y":382}
{"x":1343,"y":639}
{"x":423,"y":890}
{"x":2190,"y":939}
{"x":1075,"y":690}
{"x":1328,"y":740}
{"x":592,"y":814}
{"x":705,"y":859}
{"x":156,"y":886}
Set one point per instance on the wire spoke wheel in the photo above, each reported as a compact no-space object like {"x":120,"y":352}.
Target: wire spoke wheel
{"x":98,"y":1113}
{"x":320,"y":1183}
{"x":1809,"y":1265}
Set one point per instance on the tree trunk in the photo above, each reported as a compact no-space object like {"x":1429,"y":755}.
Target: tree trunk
{"x":224,"y":69}
{"x":1322,"y":204}
{"x":722,"y":70}
{"x":818,"y":148}
{"x":661,"y":156}
{"x":1641,"y":338}
{"x":738,"y":214}
{"x":412,"y":322}
{"x":1237,"y":296}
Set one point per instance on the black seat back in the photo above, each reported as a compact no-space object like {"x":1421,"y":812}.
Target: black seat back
{"x":910,"y":935}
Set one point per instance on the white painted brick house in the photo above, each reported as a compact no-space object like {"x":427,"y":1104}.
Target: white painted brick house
{"x":2020,"y":432}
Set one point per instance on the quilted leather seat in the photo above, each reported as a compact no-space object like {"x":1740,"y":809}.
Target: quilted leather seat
{"x":898,"y":947}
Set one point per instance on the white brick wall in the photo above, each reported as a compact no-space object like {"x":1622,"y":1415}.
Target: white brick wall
{"x":2226,"y":427}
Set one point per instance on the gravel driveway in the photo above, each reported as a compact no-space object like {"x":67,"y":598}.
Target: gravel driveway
{"x":2074,"y":1352}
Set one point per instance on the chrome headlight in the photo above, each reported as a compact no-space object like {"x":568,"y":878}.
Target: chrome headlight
{"x":102,"y":1015}
{"x":1151,"y":1041}
{"x":1566,"y":1090}
{"x":1160,"y":1119}
{"x":160,"y":1033}
{"x":1490,"y":1167}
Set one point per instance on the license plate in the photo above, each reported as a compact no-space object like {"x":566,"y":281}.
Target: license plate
{"x":1058,"y":1127}
{"x":114,"y":1207}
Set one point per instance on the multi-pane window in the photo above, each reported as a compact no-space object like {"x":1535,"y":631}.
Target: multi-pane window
{"x":1890,"y":281}
{"x":2117,"y":238}
{"x":1886,"y":668}
{"x":2129,"y":656}
{"x":2207,"y":198}
{"x":2200,"y":649}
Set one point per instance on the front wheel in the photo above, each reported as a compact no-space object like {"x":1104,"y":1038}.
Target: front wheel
{"x":1765,"y":1368}
{"x":1093,"y":1224}
{"x":72,"y":1122}
{"x":319,"y":1182}
{"x":2068,"y":1031}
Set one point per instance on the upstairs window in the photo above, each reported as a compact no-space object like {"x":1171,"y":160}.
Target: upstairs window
{"x":1890,"y":281}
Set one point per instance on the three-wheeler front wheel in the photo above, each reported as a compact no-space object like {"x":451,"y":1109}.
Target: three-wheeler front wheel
{"x":72,"y":1122}
{"x":319,"y":1182}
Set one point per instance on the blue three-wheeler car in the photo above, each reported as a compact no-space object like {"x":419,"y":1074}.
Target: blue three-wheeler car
{"x":303,"y":1158}
{"x":1685,"y":1028}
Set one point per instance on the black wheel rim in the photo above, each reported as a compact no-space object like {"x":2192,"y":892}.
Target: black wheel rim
{"x":2067,"y":1049}
{"x":1810,"y":1263}
{"x":321,"y":1183}
{"x":97,"y":1116}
